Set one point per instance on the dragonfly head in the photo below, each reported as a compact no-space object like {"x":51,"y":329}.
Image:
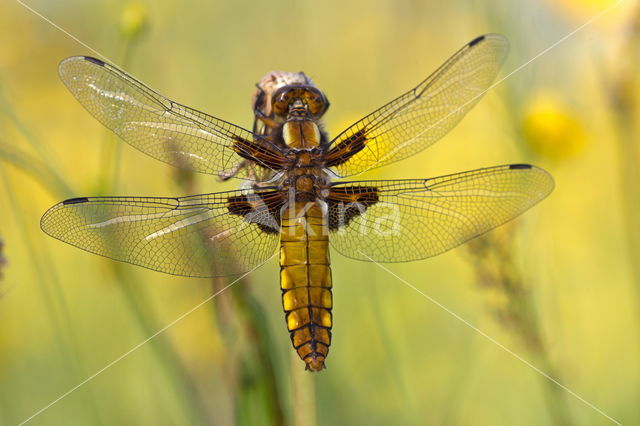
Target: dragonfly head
{"x":299,"y":101}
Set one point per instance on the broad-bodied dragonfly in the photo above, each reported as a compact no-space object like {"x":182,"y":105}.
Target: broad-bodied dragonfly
{"x":288,"y":198}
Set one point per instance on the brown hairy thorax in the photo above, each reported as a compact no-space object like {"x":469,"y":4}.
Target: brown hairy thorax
{"x":288,"y":108}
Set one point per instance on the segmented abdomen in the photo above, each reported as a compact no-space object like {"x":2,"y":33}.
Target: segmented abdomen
{"x":305,"y":280}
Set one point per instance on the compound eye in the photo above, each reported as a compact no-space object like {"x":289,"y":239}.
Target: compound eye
{"x":281,"y":102}
{"x":316,"y":102}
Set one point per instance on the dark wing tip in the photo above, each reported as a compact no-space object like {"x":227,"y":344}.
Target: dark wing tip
{"x":519,"y":166}
{"x":76,"y":200}
{"x":477,"y":40}
{"x":66,"y":65}
{"x":491,"y":38}
{"x":94,"y":60}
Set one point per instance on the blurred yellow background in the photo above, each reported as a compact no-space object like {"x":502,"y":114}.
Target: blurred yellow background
{"x":559,"y":287}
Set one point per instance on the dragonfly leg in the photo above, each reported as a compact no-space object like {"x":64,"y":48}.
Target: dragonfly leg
{"x":268,"y":121}
{"x":251,"y":173}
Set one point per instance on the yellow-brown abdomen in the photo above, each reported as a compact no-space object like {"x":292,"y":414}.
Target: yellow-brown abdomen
{"x":305,"y":280}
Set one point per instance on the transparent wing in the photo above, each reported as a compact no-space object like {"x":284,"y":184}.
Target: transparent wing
{"x":194,"y":236}
{"x":421,"y":116}
{"x":157,"y":126}
{"x":404,"y":220}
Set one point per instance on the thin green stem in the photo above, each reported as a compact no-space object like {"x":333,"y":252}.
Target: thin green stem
{"x":382,"y":328}
{"x":304,"y":393}
{"x":111,"y":152}
{"x":37,"y":169}
{"x":179,"y":375}
{"x":258,"y":330}
{"x":54,"y":299}
{"x":34,"y":142}
{"x":623,"y":97}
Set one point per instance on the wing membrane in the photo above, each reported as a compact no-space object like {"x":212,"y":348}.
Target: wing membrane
{"x":421,"y":116}
{"x":193,"y":236}
{"x":404,"y":220}
{"x":155,"y":125}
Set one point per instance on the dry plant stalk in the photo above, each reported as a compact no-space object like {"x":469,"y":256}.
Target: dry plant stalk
{"x":238,"y":309}
{"x":512,"y":304}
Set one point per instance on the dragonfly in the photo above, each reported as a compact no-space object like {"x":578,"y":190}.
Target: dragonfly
{"x":297,"y":193}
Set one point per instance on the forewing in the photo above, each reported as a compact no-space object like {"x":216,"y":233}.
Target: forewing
{"x":404,"y":220}
{"x":157,"y":126}
{"x":196,"y":236}
{"x":421,"y":116}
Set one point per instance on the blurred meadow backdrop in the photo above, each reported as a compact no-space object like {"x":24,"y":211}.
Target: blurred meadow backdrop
{"x":559,"y":287}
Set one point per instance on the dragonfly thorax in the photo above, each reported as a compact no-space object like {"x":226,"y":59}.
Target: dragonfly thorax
{"x":301,"y":134}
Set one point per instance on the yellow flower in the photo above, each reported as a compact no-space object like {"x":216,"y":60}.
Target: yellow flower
{"x":134,"y":20}
{"x":550,"y":129}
